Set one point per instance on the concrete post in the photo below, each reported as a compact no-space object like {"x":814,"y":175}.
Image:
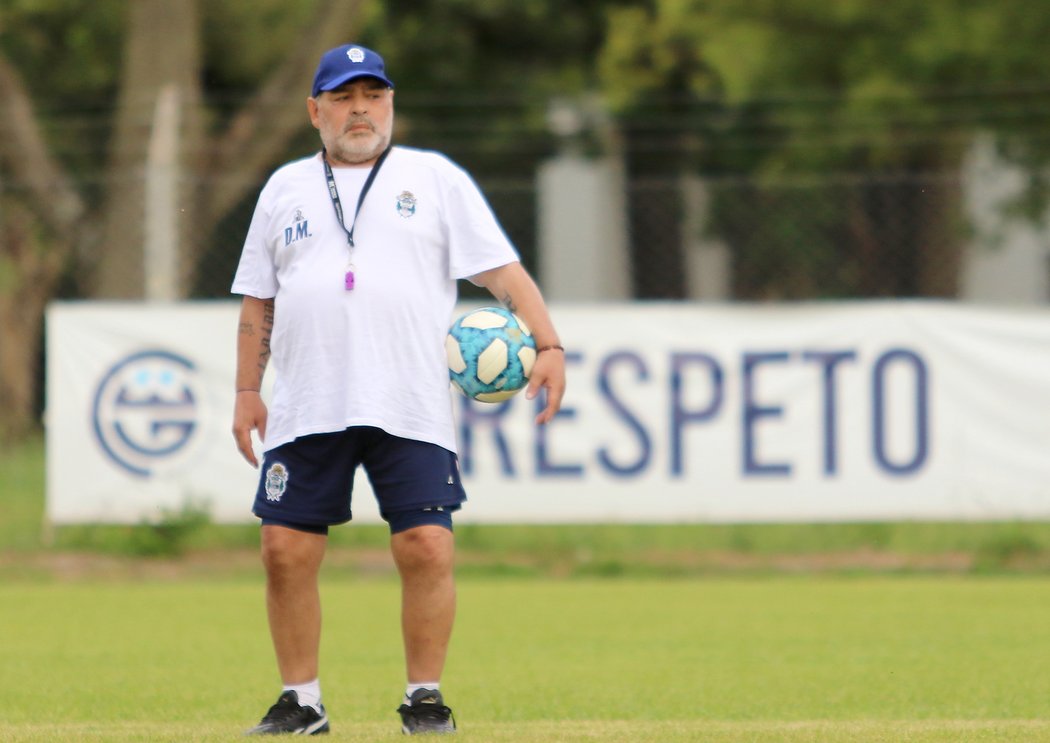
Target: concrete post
{"x":583,"y":229}
{"x":160,"y":256}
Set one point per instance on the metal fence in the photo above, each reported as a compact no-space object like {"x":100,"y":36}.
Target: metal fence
{"x":691,"y":237}
{"x":840,"y":237}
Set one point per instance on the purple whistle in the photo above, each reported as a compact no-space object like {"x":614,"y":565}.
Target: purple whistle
{"x":348,"y":280}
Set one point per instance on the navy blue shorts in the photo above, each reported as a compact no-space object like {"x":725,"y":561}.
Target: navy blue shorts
{"x":307,"y":483}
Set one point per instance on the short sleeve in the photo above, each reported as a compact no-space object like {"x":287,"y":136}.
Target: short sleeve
{"x":476,"y":241}
{"x":256,"y":274}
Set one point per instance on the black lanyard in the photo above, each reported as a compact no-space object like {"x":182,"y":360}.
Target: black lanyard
{"x":333,"y":192}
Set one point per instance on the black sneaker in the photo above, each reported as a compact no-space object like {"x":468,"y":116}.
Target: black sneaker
{"x":426,"y":713}
{"x":288,"y":717}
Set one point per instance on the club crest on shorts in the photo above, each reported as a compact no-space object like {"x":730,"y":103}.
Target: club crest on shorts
{"x":276,"y":481}
{"x":406,"y":204}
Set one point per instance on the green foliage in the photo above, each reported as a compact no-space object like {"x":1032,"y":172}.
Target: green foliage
{"x":68,"y":54}
{"x":770,"y":90}
{"x":1008,"y":549}
{"x":896,"y":84}
{"x":786,"y":90}
{"x":170,"y":535}
{"x":241,"y":45}
{"x":474,"y":79}
{"x":68,"y":57}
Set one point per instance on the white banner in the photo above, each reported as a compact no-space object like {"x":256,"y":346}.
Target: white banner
{"x":674,"y":413}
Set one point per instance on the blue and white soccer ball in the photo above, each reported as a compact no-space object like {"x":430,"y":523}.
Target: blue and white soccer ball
{"x":490,"y":354}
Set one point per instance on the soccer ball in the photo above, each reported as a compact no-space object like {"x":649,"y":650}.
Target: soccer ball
{"x":490,"y":354}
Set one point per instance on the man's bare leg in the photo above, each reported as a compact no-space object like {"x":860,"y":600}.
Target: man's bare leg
{"x":424,"y":557}
{"x":292,"y":560}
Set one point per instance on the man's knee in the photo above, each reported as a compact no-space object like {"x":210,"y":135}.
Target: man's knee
{"x":428,"y":546}
{"x":287,"y":550}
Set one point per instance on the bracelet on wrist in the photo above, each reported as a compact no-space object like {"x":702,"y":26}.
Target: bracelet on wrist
{"x":552,"y":347}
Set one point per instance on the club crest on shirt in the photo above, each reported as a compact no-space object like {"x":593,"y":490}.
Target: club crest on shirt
{"x":406,"y":204}
{"x":276,"y":481}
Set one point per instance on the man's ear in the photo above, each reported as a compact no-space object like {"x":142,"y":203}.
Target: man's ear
{"x":311,"y":108}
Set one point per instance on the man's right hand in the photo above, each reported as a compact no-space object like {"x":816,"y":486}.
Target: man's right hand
{"x":249,"y":413}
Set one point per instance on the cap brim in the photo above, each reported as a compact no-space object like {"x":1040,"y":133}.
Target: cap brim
{"x":344,"y":79}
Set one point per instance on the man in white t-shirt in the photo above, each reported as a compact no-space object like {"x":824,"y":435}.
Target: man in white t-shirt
{"x":348,"y":276}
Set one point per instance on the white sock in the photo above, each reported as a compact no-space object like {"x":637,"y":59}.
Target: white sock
{"x":413,"y":688}
{"x":309,"y":693}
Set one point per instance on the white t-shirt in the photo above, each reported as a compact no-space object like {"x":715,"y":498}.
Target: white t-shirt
{"x":375,"y":355}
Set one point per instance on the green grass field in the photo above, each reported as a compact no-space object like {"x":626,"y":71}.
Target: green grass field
{"x":863,"y":632}
{"x":770,"y":659}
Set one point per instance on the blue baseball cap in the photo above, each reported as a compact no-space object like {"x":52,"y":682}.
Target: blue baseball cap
{"x":346,"y":63}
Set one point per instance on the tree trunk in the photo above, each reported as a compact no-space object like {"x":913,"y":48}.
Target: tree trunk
{"x":36,"y":240}
{"x":162,"y":49}
{"x":22,"y":305}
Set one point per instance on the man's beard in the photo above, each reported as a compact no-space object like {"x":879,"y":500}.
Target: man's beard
{"x":359,"y":148}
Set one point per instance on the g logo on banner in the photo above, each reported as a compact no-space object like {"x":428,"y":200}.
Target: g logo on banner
{"x":146,"y":410}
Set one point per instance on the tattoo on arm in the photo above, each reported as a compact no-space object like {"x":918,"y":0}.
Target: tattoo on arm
{"x":267,"y":331}
{"x":508,"y":302}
